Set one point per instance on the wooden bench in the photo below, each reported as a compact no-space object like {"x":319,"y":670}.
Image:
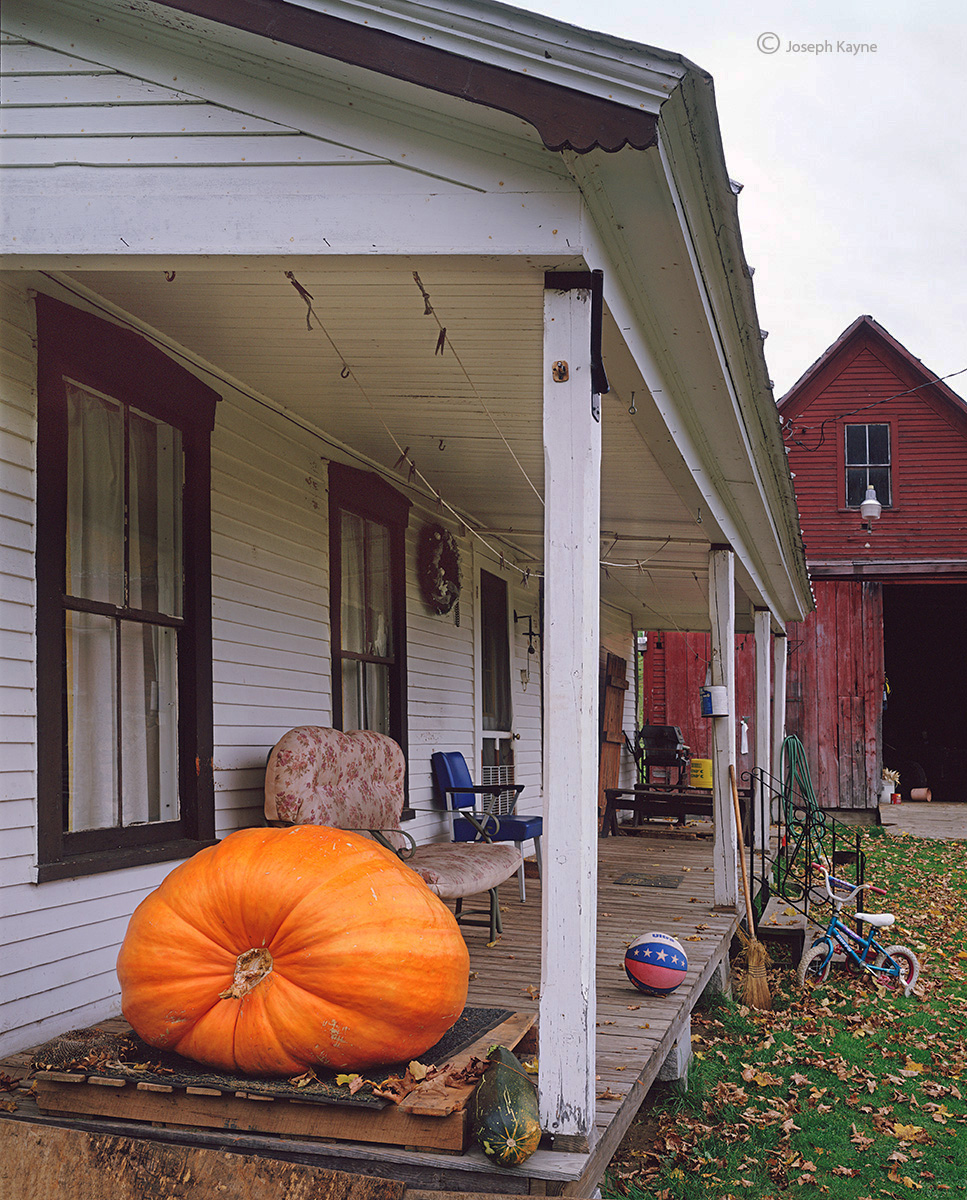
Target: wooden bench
{"x":648,"y":803}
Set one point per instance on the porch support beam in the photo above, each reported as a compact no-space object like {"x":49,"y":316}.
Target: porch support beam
{"x":721,"y":578}
{"x":572,"y":497}
{"x":780,"y":656}
{"x":763,"y":724}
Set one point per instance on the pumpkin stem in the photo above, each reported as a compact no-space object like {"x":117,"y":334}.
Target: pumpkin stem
{"x":250,"y":969}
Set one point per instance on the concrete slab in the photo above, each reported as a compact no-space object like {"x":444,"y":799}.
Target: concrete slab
{"x":947,"y":821}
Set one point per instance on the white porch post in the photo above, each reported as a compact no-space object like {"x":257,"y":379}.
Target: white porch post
{"x":572,"y":497}
{"x":780,"y":653}
{"x":763,"y":724}
{"x":722,"y":613}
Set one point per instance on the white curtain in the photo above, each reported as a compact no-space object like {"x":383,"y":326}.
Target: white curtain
{"x":146,"y":699}
{"x":366,"y":622}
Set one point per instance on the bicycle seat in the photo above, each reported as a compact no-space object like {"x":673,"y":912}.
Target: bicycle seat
{"x":877,"y":920}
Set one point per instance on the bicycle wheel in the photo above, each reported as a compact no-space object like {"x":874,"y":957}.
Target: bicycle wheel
{"x":909,"y":966}
{"x":815,"y":963}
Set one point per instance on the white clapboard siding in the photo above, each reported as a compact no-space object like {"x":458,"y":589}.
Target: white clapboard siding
{"x":439,"y":678}
{"x":18,"y":755}
{"x":618,"y":637}
{"x":270,"y":597}
{"x":63,"y":109}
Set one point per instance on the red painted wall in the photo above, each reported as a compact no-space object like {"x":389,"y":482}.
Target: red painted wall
{"x":673,"y":668}
{"x":834,"y":691}
{"x":928,"y":437}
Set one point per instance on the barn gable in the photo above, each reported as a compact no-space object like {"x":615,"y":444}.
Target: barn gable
{"x":868,"y":380}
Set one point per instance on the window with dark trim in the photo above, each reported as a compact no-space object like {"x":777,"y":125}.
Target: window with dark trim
{"x":868,"y":463}
{"x":367,"y":532}
{"x":494,"y":654}
{"x":124,"y":676}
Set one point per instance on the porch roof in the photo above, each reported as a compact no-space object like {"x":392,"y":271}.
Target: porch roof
{"x":700,"y":460}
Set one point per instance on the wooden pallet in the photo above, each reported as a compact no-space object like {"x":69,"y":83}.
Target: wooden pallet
{"x":427,"y":1122}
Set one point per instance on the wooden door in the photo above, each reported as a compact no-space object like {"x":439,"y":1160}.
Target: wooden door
{"x":612,"y":736}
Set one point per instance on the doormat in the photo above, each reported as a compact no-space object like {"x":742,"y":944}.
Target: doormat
{"x":633,"y":879}
{"x":127,"y":1058}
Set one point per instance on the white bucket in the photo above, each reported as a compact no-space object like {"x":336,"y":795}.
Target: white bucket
{"x":715,"y":701}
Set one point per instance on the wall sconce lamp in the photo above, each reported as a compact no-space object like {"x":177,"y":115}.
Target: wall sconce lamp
{"x":530,"y":632}
{"x":870,"y":509}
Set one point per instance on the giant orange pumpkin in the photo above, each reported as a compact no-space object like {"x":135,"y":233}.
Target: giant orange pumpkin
{"x":282,"y":948}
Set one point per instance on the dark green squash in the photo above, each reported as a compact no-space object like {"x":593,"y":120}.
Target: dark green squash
{"x":506,"y":1120}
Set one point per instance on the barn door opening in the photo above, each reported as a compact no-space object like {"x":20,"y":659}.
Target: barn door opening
{"x":925,"y":713}
{"x":497,"y":717}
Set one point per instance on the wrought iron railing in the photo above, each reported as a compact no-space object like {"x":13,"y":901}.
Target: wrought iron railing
{"x":805,"y":834}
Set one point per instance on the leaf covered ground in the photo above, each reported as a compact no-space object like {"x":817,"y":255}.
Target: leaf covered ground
{"x":849,"y":1090}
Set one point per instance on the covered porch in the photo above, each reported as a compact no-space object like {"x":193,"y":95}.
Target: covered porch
{"x":644,"y":883}
{"x":412,"y":306}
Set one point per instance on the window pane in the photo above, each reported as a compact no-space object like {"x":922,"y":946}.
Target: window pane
{"x":494,"y":653}
{"x":366,"y":604}
{"x":149,"y":723}
{"x":856,"y":444}
{"x":154,"y":519}
{"x":353,"y":602}
{"x":365,"y":696}
{"x":92,"y":784}
{"x":880,"y":479}
{"x":376,"y":677}
{"x":855,"y":486}
{"x":379,"y":607}
{"x":95,"y":497}
{"x":879,"y":444}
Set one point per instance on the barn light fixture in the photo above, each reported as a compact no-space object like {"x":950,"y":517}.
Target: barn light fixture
{"x":870,"y":509}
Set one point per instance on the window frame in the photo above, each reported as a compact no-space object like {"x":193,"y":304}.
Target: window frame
{"x":365,"y":494}
{"x":76,"y":346}
{"x":844,"y":466}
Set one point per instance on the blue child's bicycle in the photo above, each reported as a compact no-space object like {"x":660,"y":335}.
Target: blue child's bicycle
{"x":892,"y":966}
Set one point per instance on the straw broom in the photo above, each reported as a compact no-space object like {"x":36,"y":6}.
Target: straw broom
{"x":755,"y":990}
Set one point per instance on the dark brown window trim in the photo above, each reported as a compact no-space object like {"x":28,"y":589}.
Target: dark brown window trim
{"x":367,"y":495}
{"x":565,"y":118}
{"x":120,"y":363}
{"x":79,"y":865}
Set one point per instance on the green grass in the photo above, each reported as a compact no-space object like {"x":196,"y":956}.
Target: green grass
{"x":849,"y":1090}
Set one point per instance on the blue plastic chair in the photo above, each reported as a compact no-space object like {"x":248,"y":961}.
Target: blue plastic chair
{"x":485,"y":823}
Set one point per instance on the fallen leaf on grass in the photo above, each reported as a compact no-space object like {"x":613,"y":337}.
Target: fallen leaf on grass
{"x":907,"y":1133}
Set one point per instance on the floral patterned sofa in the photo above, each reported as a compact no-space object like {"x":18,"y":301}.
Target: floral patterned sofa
{"x":354,"y":781}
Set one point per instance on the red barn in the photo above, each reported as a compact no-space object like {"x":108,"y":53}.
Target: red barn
{"x":877,"y":675}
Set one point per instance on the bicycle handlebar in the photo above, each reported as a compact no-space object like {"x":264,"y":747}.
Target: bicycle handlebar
{"x":844,"y":884}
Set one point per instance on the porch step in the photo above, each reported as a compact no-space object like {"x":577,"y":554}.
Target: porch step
{"x":782,"y":923}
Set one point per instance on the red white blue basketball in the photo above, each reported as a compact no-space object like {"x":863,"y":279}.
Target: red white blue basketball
{"x":656,"y":963}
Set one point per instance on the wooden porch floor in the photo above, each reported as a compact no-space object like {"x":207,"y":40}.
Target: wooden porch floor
{"x":634,"y":1035}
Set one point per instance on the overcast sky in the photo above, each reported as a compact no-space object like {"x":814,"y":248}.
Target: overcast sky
{"x":854,"y":166}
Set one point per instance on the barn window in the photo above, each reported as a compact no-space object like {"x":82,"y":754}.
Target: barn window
{"x":868,"y":463}
{"x":124,"y":599}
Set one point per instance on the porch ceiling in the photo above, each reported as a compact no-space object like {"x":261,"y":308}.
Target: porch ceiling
{"x":368,"y":374}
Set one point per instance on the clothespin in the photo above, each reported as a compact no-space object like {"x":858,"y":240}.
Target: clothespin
{"x":441,"y":341}
{"x":402,"y":459}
